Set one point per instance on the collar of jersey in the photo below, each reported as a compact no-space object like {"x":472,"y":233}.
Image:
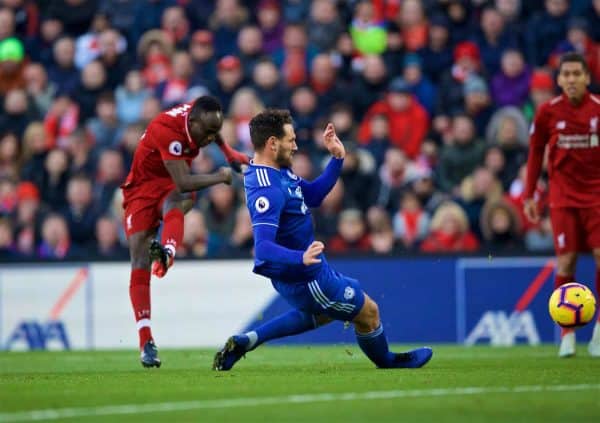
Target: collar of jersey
{"x":187,"y":130}
{"x":270,"y":167}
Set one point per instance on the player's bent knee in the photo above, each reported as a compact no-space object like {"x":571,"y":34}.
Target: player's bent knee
{"x":368,"y":319}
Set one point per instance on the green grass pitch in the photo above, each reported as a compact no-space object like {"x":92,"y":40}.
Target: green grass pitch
{"x":302,"y":384}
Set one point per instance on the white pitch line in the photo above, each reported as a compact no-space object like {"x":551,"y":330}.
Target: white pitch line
{"x":63,"y":413}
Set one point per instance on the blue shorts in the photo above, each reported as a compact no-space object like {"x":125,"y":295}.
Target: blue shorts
{"x":331,"y":293}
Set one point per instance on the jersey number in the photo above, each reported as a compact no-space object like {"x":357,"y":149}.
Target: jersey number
{"x":179,"y":110}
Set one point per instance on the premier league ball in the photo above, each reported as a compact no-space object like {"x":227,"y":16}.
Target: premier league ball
{"x":572,"y":305}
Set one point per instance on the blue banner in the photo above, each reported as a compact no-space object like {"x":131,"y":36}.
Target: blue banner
{"x":501,"y":301}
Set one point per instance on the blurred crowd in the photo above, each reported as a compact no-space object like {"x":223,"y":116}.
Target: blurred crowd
{"x":433,"y":99}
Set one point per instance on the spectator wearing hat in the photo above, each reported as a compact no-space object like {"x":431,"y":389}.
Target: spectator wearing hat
{"x":478,"y":102}
{"x":271,"y":25}
{"x":27,"y":218}
{"x":421,"y":87}
{"x":202,"y":53}
{"x":368,"y":85}
{"x":467,"y":61}
{"x":11,"y":65}
{"x":230,"y":77}
{"x":510,"y":86}
{"x":436,"y":56}
{"x":493,"y":39}
{"x":541,"y":90}
{"x":408,"y":119}
{"x":545,"y":30}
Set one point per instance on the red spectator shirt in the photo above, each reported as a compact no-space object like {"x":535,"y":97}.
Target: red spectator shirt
{"x":572,"y":136}
{"x":166,"y":138}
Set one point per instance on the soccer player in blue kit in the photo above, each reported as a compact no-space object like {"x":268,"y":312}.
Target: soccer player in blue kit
{"x":287,"y":253}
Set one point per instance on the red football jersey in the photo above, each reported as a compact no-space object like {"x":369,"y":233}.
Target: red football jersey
{"x":572,"y":136}
{"x":166,"y":138}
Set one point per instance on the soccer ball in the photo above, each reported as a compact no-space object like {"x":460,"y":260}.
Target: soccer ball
{"x":572,"y":305}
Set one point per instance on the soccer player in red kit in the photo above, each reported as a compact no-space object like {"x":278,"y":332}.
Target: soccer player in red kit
{"x":568,"y":126}
{"x":159,"y":187}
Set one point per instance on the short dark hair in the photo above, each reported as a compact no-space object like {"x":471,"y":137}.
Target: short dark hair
{"x":571,"y":57}
{"x":204,"y":104}
{"x":266,"y":124}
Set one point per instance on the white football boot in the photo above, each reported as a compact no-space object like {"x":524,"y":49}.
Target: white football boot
{"x":567,"y":345}
{"x":594,"y":346}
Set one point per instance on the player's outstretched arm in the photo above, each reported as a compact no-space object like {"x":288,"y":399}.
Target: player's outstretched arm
{"x":314,"y":192}
{"x":233,"y":157}
{"x":185,"y":181}
{"x":537,"y":144}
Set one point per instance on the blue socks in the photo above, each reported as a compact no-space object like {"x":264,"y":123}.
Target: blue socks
{"x":291,"y":323}
{"x":375,"y":346}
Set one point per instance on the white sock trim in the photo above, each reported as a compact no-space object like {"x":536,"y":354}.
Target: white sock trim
{"x":171,"y":249}
{"x":253,"y":337}
{"x":143,"y":323}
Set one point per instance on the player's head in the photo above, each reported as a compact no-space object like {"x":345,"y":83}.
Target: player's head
{"x":205,"y":120}
{"x":573,"y":75}
{"x":273,"y":136}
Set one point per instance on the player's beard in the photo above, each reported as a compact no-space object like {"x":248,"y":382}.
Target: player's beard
{"x":284,"y":158}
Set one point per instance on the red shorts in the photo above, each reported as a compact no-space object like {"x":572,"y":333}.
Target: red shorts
{"x":575,"y":229}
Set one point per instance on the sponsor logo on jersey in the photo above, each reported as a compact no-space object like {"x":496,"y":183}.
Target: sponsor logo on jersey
{"x":348,"y":293}
{"x":261,"y":204}
{"x":175,"y":148}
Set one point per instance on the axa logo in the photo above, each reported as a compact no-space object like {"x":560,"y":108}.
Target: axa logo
{"x":500,"y":329}
{"x":39,"y":334}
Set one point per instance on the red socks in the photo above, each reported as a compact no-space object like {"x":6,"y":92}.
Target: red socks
{"x":139,"y":292}
{"x":561,"y":280}
{"x":172,"y":233}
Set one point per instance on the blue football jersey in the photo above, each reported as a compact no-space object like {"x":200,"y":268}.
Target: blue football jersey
{"x":274,"y":197}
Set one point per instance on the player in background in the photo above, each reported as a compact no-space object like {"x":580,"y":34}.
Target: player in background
{"x":287,"y":253}
{"x":159,"y":187}
{"x":568,"y":126}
